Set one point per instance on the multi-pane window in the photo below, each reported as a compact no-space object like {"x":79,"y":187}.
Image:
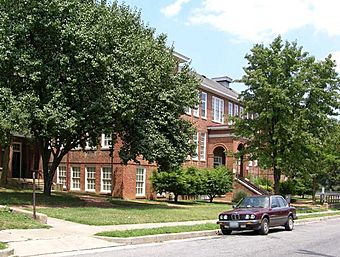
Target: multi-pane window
{"x":75,"y":177}
{"x":230,"y":112}
{"x":236,"y":110}
{"x":106,"y":179}
{"x":204,"y":105}
{"x":188,"y":110}
{"x":106,"y":141}
{"x":241,"y":111}
{"x":203,"y":146}
{"x":90,"y":178}
{"x":61,"y":175}
{"x":140,"y":181}
{"x":218,"y":161}
{"x":218,"y":109}
{"x":196,"y":111}
{"x":196,"y":144}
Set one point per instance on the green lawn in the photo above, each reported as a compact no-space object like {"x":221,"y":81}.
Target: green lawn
{"x":94,"y":210}
{"x":319,"y":215}
{"x":10,"y":220}
{"x":2,"y":246}
{"x":157,"y":231}
{"x":128,"y":212}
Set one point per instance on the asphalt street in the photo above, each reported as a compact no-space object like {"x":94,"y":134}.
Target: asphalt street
{"x":317,"y":239}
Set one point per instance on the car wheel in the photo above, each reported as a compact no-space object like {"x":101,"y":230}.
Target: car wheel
{"x":226,"y":231}
{"x":290,"y":223}
{"x":264,"y":229}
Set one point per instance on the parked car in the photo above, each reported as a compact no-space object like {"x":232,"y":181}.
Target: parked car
{"x":258,"y":213}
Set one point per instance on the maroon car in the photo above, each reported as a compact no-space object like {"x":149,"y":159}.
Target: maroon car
{"x":258,"y":213}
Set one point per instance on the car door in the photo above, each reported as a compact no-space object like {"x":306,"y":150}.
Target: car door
{"x":284,"y":210}
{"x":275,"y":212}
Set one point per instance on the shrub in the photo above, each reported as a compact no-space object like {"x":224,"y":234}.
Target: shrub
{"x":239,"y":196}
{"x":287,"y":187}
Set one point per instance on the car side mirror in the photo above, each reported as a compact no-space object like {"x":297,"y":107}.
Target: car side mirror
{"x":234,"y":206}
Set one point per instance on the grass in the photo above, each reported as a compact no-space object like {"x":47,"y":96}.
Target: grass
{"x":10,"y":220}
{"x":156,"y":231}
{"x":2,"y":246}
{"x":98,"y":210}
{"x":319,"y":215}
{"x":129,"y":212}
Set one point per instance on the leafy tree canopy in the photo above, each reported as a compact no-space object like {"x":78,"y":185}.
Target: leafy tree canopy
{"x":292,"y":97}
{"x":94,"y":67}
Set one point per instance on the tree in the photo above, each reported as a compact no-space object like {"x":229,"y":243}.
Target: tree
{"x":170,"y":181}
{"x":217,"y":181}
{"x":292,"y":97}
{"x":93,"y":67}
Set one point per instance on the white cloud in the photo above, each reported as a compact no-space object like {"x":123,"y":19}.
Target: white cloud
{"x":261,"y":20}
{"x":336,"y":57}
{"x":174,"y":8}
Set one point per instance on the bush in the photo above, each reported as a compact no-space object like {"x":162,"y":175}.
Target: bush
{"x":239,"y":196}
{"x":262,"y":182}
{"x":287,"y":187}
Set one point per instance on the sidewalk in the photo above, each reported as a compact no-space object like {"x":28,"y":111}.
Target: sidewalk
{"x":65,"y":236}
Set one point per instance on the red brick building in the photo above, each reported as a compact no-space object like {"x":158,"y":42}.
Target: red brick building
{"x":95,"y":171}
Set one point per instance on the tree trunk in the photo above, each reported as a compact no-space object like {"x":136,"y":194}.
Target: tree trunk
{"x":211,"y":198}
{"x":5,"y":166}
{"x":176,"y":198}
{"x":314,"y":188}
{"x":277,"y":176}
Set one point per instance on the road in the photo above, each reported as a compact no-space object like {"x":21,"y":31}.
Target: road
{"x":320,"y":239}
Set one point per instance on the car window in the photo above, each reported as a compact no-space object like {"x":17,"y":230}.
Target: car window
{"x":282,"y":202}
{"x":258,"y":202}
{"x":275,"y":202}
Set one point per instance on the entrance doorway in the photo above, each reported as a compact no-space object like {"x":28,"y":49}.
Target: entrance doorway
{"x":219,"y":156}
{"x":16,"y":160}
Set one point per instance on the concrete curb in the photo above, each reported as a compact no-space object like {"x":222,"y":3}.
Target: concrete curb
{"x":42,"y":218}
{"x":6,"y":252}
{"x":316,"y":219}
{"x":159,"y":238}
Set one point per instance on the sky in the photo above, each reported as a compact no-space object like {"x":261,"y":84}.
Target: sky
{"x":217,"y":34}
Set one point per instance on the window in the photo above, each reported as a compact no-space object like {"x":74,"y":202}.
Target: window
{"x":230,"y":112}
{"x":140,"y":181}
{"x":203,"y":146}
{"x":106,"y":179}
{"x":236,"y":110}
{"x":90,"y":178}
{"x":250,"y":163}
{"x":188,"y":110}
{"x":218,"y":109}
{"x":196,"y":143}
{"x":241,"y":110}
{"x":106,"y":141}
{"x":75,"y":178}
{"x":61,"y":175}
{"x":282,"y":202}
{"x":89,"y":145}
{"x":218,"y":161}
{"x":204,"y":105}
{"x":196,"y":111}
{"x":275,"y":202}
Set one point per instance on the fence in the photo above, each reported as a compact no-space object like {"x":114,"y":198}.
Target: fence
{"x":330,"y":198}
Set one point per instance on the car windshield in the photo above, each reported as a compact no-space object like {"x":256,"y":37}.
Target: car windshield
{"x":257,"y":202}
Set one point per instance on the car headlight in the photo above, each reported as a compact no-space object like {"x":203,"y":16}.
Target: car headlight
{"x":221,"y":217}
{"x":247,"y":217}
{"x":225,"y":217}
{"x":252,"y":216}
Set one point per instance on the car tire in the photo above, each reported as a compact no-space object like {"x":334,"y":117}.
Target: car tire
{"x":264,"y":229}
{"x":289,"y":226}
{"x":226,"y":231}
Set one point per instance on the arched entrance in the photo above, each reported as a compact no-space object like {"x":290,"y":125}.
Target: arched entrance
{"x":219,"y":156}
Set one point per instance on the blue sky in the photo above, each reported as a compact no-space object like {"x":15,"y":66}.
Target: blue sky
{"x":217,"y":34}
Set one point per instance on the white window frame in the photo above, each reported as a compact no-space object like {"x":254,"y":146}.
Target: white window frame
{"x":195,"y":140}
{"x":102,"y":180}
{"x":73,"y":178}
{"x":218,"y":161}
{"x":203,"y":146}
{"x":236,"y":110}
{"x":92,"y":179}
{"x":142,"y":188}
{"x":204,"y":104}
{"x":105,"y":141}
{"x":64,"y":178}
{"x":188,"y":110}
{"x":217,"y":109}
